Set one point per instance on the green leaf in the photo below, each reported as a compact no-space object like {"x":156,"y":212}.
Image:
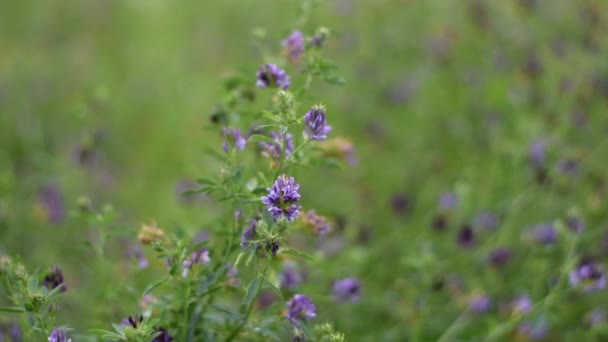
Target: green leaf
{"x":307,"y":330}
{"x":155,"y":285}
{"x":268,"y":115}
{"x":252,"y":290}
{"x":197,"y":246}
{"x":297,"y":253}
{"x":230,"y":313}
{"x":205,"y":181}
{"x":259,"y":137}
{"x":334,"y":79}
{"x":12,"y":309}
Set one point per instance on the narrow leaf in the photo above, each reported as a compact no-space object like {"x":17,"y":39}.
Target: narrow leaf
{"x":155,"y":285}
{"x":259,"y":137}
{"x":205,"y":181}
{"x":297,"y":253}
{"x":12,"y":309}
{"x":252,"y":290}
{"x":274,"y":288}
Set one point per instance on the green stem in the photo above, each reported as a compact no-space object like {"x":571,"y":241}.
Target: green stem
{"x":186,"y":312}
{"x":42,"y":326}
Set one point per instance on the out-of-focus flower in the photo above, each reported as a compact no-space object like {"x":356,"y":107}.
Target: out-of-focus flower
{"x":521,"y":305}
{"x":439,"y":222}
{"x":486,"y":220}
{"x":537,"y":153}
{"x":568,"y":167}
{"x":273,"y":149}
{"x":317,"y":223}
{"x":233,"y":138}
{"x":291,"y":278}
{"x":300,"y":308}
{"x":575,"y":224}
{"x":544,"y":234}
{"x":533,"y":331}
{"x":294,"y":46}
{"x":339,"y":148}
{"x":282,"y":199}
{"x":499,"y":257}
{"x":150,"y":233}
{"x":466,"y":237}
{"x":54,"y":279}
{"x":400,"y":203}
{"x":146,"y":301}
{"x":447,"y":201}
{"x":59,"y":335}
{"x":589,"y":276}
{"x":271,"y":75}
{"x":479,"y":303}
{"x":164,"y":336}
{"x":319,"y":37}
{"x":596,"y":317}
{"x":315,"y":124}
{"x":134,"y":251}
{"x":200,"y":257}
{"x":51,"y":201}
{"x":347,"y":289}
{"x":249,"y":234}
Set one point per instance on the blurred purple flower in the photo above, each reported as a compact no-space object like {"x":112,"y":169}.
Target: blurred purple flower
{"x":54,"y":279}
{"x":135,"y":251}
{"x":84,"y":156}
{"x":439,"y":222}
{"x":347,"y":289}
{"x":596,"y":317}
{"x":486,"y":220}
{"x":163,"y":337}
{"x":537,"y":153}
{"x":290,"y":279}
{"x":568,"y":167}
{"x":273,"y":149}
{"x":282,"y":198}
{"x":521,"y":305}
{"x":271,"y":75}
{"x":448,"y":201}
{"x":479,"y":303}
{"x":544,"y":234}
{"x":300,"y":308}
{"x":535,"y":332}
{"x":400,"y":203}
{"x":466,"y":237}
{"x":51,"y":199}
{"x":589,"y":276}
{"x":575,"y":224}
{"x":294,"y":46}
{"x":318,"y":223}
{"x":59,"y":335}
{"x":499,"y":257}
{"x":248,"y":234}
{"x":233,"y":138}
{"x":315,"y":124}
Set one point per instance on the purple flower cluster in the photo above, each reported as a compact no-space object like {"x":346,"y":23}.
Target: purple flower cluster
{"x":163,"y":337}
{"x":479,"y":303}
{"x":200,"y":257}
{"x":318,"y":223}
{"x":273,"y":148}
{"x":521,"y":305}
{"x":282,"y":199}
{"x":51,"y":199}
{"x":271,"y":75}
{"x":589,"y":276}
{"x":294,"y":46}
{"x":315,"y":124}
{"x":347,"y":289}
{"x":55,"y":279}
{"x":59,"y":335}
{"x":233,"y":138}
{"x":290,"y":279}
{"x":544,"y":234}
{"x":136,"y":252}
{"x":300,"y":308}
{"x":248,"y":234}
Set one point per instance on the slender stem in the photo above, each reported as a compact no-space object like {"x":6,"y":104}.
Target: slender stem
{"x":283,"y":132}
{"x":453,"y":328}
{"x":186,"y":311}
{"x":292,"y":155}
{"x":43,"y":329}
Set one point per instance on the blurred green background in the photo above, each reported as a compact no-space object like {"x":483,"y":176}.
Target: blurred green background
{"x":440,"y":96}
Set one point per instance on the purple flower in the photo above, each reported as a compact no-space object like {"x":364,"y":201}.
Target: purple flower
{"x":537,"y":153}
{"x":544,"y":234}
{"x":568,"y":167}
{"x":486,"y":220}
{"x":521,"y":305}
{"x":439,"y":222}
{"x":300,"y":308}
{"x":466,"y":238}
{"x":315,"y":124}
{"x":400,"y":204}
{"x":233,"y":138}
{"x":479,"y":303}
{"x":447,"y":201}
{"x":59,"y":335}
{"x":200,"y":256}
{"x":290,"y":279}
{"x":272,"y":246}
{"x":596,"y":317}
{"x":318,"y":223}
{"x":135,"y":251}
{"x":54,"y":279}
{"x":273,"y":148}
{"x":575,"y":224}
{"x":589,"y":276}
{"x":84,"y":156}
{"x":294,"y":45}
{"x":271,"y":75}
{"x":248,"y":234}
{"x":163,"y":337}
{"x":533,"y":331}
{"x":347,"y":289}
{"x":51,"y":199}
{"x":499,"y":257}
{"x":282,"y":199}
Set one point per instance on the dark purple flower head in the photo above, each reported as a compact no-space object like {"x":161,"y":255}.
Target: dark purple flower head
{"x":521,"y":305}
{"x":575,"y":224}
{"x":568,"y":167}
{"x":163,"y":337}
{"x":319,"y":38}
{"x":544,"y":234}
{"x":248,"y":234}
{"x":486,"y":220}
{"x":347,"y":289}
{"x":300,"y":308}
{"x":54,"y":279}
{"x":272,"y":149}
{"x":59,"y":335}
{"x":133,"y":321}
{"x":271,"y":75}
{"x":282,"y":198}
{"x":448,"y":201}
{"x":400,"y":203}
{"x":315,"y":124}
{"x":272,"y":246}
{"x":51,"y":199}
{"x":537,"y":153}
{"x":588,"y":275}
{"x":466,"y":237}
{"x":479,"y":303}
{"x":84,"y":156}
{"x":233,"y":138}
{"x":290,"y":279}
{"x":499,"y":257}
{"x":294,"y":46}
{"x":439,"y":222}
